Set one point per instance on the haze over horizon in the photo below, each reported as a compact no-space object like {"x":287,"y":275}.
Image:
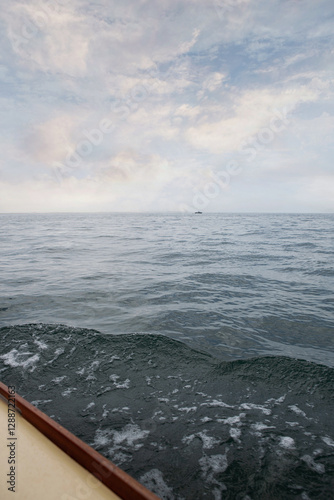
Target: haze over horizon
{"x":180,"y":105}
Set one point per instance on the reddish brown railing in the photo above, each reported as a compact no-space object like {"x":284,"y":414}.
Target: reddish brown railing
{"x":109,"y":474}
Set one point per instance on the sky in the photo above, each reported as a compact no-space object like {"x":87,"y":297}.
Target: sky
{"x":169,"y":105}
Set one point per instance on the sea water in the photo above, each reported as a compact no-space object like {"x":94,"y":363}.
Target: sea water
{"x":194,"y":351}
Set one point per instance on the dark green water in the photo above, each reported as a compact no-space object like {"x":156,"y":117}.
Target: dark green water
{"x":196,"y":352}
{"x":182,"y":422}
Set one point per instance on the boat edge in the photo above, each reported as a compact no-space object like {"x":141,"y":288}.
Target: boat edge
{"x":114,"y":478}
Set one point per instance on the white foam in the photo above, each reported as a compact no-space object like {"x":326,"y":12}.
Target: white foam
{"x":57,"y":380}
{"x":208,"y":441}
{"x":328,"y":440}
{"x":105,"y":412}
{"x":15,"y":358}
{"x":68,"y":391}
{"x":259,"y":426}
{"x":292,"y":424}
{"x":119,"y":385}
{"x":213,"y":464}
{"x":40,"y":401}
{"x":188,"y":439}
{"x":113,"y":358}
{"x":105,"y":389}
{"x":251,"y":406}
{"x":57,"y":353}
{"x":42,"y":345}
{"x":129,"y":436}
{"x":124,"y":385}
{"x":90,"y":405}
{"x":276,"y":401}
{"x":287,"y":442}
{"x":103,"y":437}
{"x":188,"y":409}
{"x":154,"y":481}
{"x":233,"y":420}
{"x":119,"y":458}
{"x":317,"y":467}
{"x":215,"y":403}
{"x":297,"y":410}
{"x":235,"y":433}
{"x":93,"y":367}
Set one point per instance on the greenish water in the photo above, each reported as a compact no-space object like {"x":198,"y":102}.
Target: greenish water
{"x":196,"y":352}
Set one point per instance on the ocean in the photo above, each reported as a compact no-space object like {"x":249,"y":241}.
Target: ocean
{"x":194,"y":351}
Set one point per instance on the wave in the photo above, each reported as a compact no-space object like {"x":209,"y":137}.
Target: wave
{"x":182,"y":422}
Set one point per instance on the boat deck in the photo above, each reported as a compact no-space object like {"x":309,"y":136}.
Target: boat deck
{"x":42,"y":470}
{"x":53,"y":464}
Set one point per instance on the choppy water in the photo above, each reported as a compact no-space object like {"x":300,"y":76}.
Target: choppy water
{"x":231,"y":394}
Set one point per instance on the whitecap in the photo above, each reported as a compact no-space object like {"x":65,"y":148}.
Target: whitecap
{"x":90,"y":405}
{"x":251,"y":406}
{"x":129,"y":436}
{"x":188,"y":409}
{"x":235,"y":434}
{"x":154,"y":481}
{"x":317,"y":467}
{"x":42,"y":345}
{"x":38,"y":402}
{"x":57,"y":380}
{"x":287,"y":442}
{"x":119,"y":385}
{"x":297,"y":410}
{"x":328,"y":440}
{"x":214,"y":403}
{"x":68,"y":391}
{"x":14,"y":358}
{"x":207,"y":441}
{"x":212,"y":465}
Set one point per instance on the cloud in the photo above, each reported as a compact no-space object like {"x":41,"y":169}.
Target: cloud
{"x":188,"y":85}
{"x":252,"y":112}
{"x":50,"y":141}
{"x":50,"y":37}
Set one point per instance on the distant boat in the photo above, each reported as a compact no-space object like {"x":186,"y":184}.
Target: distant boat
{"x":198,"y":212}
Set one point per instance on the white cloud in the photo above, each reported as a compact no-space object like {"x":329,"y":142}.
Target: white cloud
{"x":252,"y":111}
{"x":51,"y":141}
{"x":193,"y":80}
{"x":48,"y":39}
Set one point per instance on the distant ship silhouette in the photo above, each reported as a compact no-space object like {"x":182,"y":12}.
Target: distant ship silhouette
{"x":198,"y":212}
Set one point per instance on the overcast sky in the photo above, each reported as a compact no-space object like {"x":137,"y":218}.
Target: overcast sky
{"x":167,"y":105}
